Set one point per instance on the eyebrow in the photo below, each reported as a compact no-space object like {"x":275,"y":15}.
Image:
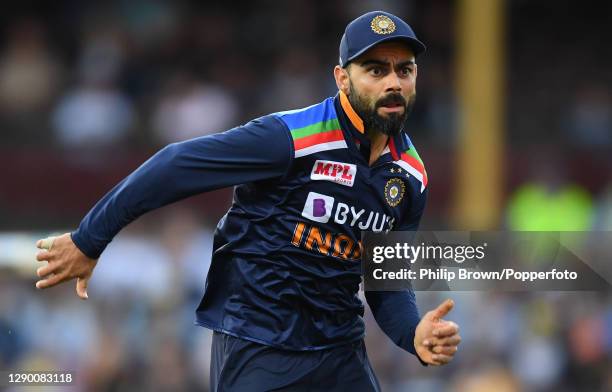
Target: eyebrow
{"x":385,"y":63}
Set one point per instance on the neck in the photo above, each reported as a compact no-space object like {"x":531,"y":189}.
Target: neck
{"x":379,"y":142}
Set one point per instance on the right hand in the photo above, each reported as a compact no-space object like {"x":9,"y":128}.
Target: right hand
{"x":64,"y":262}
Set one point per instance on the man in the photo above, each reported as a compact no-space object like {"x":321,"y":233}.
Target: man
{"x":282,"y":290}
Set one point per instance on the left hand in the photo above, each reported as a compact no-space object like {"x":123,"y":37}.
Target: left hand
{"x":435,"y":339}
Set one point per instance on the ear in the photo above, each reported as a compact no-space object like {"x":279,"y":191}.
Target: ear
{"x":342,"y":79}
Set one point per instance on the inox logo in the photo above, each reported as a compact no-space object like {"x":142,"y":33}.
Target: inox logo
{"x":338,"y":172}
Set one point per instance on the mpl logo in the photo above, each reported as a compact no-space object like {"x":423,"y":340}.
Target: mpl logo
{"x":318,"y":207}
{"x":338,"y":172}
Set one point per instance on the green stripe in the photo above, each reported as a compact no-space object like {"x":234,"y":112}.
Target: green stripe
{"x":413,"y":153}
{"x":322,"y":126}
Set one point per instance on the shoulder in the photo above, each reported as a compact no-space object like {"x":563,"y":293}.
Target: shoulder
{"x":411,"y":161}
{"x":314,"y":128}
{"x":299,"y":118}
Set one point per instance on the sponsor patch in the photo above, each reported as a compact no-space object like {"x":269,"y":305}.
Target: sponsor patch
{"x":338,"y":172}
{"x":318,"y":207}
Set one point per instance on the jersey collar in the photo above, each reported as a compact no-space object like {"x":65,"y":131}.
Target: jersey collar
{"x":397,"y":144}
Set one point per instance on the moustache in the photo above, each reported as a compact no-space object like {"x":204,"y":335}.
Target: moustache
{"x":391,"y":99}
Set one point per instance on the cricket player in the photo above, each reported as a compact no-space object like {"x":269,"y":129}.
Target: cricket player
{"x":282,"y":291}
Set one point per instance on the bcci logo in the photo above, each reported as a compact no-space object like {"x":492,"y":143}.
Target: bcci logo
{"x":318,"y":207}
{"x":382,"y":24}
{"x":394,"y":191}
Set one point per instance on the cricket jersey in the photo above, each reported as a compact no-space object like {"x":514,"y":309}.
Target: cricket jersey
{"x":286,"y":263}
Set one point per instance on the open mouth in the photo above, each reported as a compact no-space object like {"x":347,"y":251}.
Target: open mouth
{"x":392,"y":103}
{"x":392,"y":107}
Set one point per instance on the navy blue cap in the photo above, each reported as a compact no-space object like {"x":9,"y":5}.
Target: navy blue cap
{"x":373,"y":28}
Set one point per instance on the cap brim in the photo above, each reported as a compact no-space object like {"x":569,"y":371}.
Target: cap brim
{"x":417,"y":46}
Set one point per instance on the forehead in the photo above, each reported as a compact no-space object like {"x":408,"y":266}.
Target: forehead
{"x":388,"y":51}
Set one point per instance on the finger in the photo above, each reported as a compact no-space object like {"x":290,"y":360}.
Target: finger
{"x":449,"y":328}
{"x":448,"y":341}
{"x":51,"y":281}
{"x":43,"y":255}
{"x":441,"y":359}
{"x":443,"y":309}
{"x":81,"y":287}
{"x":446,"y":350}
{"x":45,"y":270}
{"x":45,"y":243}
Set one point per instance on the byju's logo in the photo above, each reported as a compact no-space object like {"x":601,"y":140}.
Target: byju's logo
{"x":318,"y":207}
{"x":338,"y":172}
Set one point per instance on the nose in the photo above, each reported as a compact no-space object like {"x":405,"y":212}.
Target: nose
{"x":393,"y":83}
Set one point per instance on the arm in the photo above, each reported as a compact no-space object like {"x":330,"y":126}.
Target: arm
{"x":397,"y":315}
{"x":258,"y":150}
{"x":433,"y":340}
{"x":396,"y":312}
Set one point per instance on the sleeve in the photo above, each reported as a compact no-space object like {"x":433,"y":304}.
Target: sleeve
{"x":396,"y":312}
{"x":259,"y":150}
{"x":397,"y":315}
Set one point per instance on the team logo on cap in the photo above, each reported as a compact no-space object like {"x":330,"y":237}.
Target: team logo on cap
{"x":382,"y":24}
{"x":394,"y":191}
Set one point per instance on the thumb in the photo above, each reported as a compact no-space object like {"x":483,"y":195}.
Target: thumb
{"x":81,"y":287}
{"x":443,"y":309}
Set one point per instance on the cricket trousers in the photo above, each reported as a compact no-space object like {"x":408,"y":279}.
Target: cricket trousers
{"x":239,"y":365}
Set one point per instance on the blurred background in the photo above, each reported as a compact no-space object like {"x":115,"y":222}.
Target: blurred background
{"x":513,"y":121}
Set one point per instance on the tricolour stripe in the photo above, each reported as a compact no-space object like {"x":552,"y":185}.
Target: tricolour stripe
{"x":414,"y":172}
{"x":323,"y":111}
{"x":412,"y":161}
{"x":321,"y":126}
{"x":314,"y":129}
{"x":320,"y":147}
{"x":318,"y":138}
{"x":413,"y":153}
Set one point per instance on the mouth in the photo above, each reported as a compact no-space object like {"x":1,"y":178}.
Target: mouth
{"x":392,"y":104}
{"x":392,"y":107}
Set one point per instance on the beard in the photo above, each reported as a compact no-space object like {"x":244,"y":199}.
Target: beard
{"x":392,"y":123}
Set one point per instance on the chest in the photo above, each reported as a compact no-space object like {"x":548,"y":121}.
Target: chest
{"x":337,"y":190}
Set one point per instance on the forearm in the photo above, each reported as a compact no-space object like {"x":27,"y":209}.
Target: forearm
{"x":397,"y":315}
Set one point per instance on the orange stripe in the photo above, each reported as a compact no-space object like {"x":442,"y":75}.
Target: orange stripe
{"x":318,"y":138}
{"x":350,"y":112}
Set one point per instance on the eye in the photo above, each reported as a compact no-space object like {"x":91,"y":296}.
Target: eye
{"x":376,"y":71}
{"x":407,"y":71}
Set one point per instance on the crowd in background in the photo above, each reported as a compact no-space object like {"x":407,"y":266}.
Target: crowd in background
{"x":137,"y":332}
{"x":88,"y":90}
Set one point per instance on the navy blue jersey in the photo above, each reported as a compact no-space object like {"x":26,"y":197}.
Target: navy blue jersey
{"x":286,"y":265}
